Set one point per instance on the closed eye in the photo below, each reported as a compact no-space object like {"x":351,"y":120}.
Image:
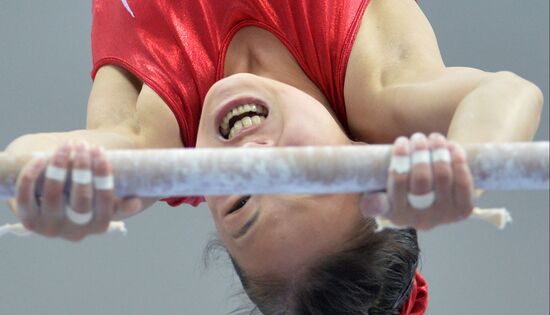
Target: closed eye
{"x":239,"y":204}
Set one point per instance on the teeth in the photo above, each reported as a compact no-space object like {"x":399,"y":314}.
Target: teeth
{"x":243,"y":123}
{"x":246,"y":121}
{"x":256,"y":120}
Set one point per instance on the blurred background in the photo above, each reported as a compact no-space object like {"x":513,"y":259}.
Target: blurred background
{"x":471,"y":267}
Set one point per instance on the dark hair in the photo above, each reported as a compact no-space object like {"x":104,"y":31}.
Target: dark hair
{"x":373,"y":276}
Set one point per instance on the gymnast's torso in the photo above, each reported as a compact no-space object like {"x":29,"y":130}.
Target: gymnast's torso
{"x":180,"y":48}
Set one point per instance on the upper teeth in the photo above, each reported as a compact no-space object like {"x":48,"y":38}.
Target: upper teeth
{"x":243,"y":122}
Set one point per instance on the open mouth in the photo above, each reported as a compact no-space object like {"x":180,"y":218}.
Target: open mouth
{"x":239,"y":204}
{"x":240,"y":118}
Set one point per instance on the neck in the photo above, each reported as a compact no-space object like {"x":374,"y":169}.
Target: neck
{"x":253,"y":50}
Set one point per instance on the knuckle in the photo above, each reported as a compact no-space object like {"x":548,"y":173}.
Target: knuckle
{"x":422,"y":183}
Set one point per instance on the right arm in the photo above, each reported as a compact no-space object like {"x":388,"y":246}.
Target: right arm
{"x":122,"y":113}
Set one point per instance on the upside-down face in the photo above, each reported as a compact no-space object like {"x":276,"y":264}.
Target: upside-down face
{"x":274,"y":235}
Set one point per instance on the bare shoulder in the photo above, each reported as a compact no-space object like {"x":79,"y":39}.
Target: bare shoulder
{"x":395,"y":42}
{"x":120,"y":101}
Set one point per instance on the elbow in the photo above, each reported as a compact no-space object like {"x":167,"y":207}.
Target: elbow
{"x":523,"y":86}
{"x":531,"y":97}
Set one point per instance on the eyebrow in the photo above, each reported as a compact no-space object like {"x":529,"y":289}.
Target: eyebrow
{"x":247,"y":225}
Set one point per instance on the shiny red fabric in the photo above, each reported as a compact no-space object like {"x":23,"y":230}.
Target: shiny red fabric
{"x":178,"y":47}
{"x":418,"y":299}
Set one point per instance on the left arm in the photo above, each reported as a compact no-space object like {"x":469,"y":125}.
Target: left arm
{"x":501,"y":108}
{"x":397,"y":84}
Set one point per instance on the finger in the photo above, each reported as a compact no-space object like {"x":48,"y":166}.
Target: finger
{"x":443,"y":179}
{"x":420,"y":196}
{"x":25,"y":206}
{"x":81,"y":181}
{"x":463,"y":187}
{"x":53,"y":198}
{"x":398,"y":182}
{"x":420,"y":180}
{"x":104,"y":199}
{"x":79,"y":211}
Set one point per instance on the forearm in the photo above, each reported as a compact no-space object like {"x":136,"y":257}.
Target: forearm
{"x":503,"y":108}
{"x":48,"y":142}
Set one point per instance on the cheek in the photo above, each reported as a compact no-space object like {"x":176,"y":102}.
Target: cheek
{"x":311,"y":128}
{"x":201,"y":135}
{"x":205,"y":136}
{"x":211,"y":202}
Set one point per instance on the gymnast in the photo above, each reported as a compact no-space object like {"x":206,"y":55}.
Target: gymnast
{"x":286,"y":73}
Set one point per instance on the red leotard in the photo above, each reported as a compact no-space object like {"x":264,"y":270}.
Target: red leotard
{"x":178,"y":47}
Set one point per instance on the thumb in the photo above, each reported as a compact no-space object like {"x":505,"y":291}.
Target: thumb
{"x":374,"y":204}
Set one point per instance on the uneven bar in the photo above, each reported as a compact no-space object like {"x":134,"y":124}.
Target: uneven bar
{"x":315,"y":170}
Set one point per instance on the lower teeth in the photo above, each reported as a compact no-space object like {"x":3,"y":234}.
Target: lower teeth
{"x":243,"y":123}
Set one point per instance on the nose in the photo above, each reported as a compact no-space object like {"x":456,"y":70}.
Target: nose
{"x":258,"y":144}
